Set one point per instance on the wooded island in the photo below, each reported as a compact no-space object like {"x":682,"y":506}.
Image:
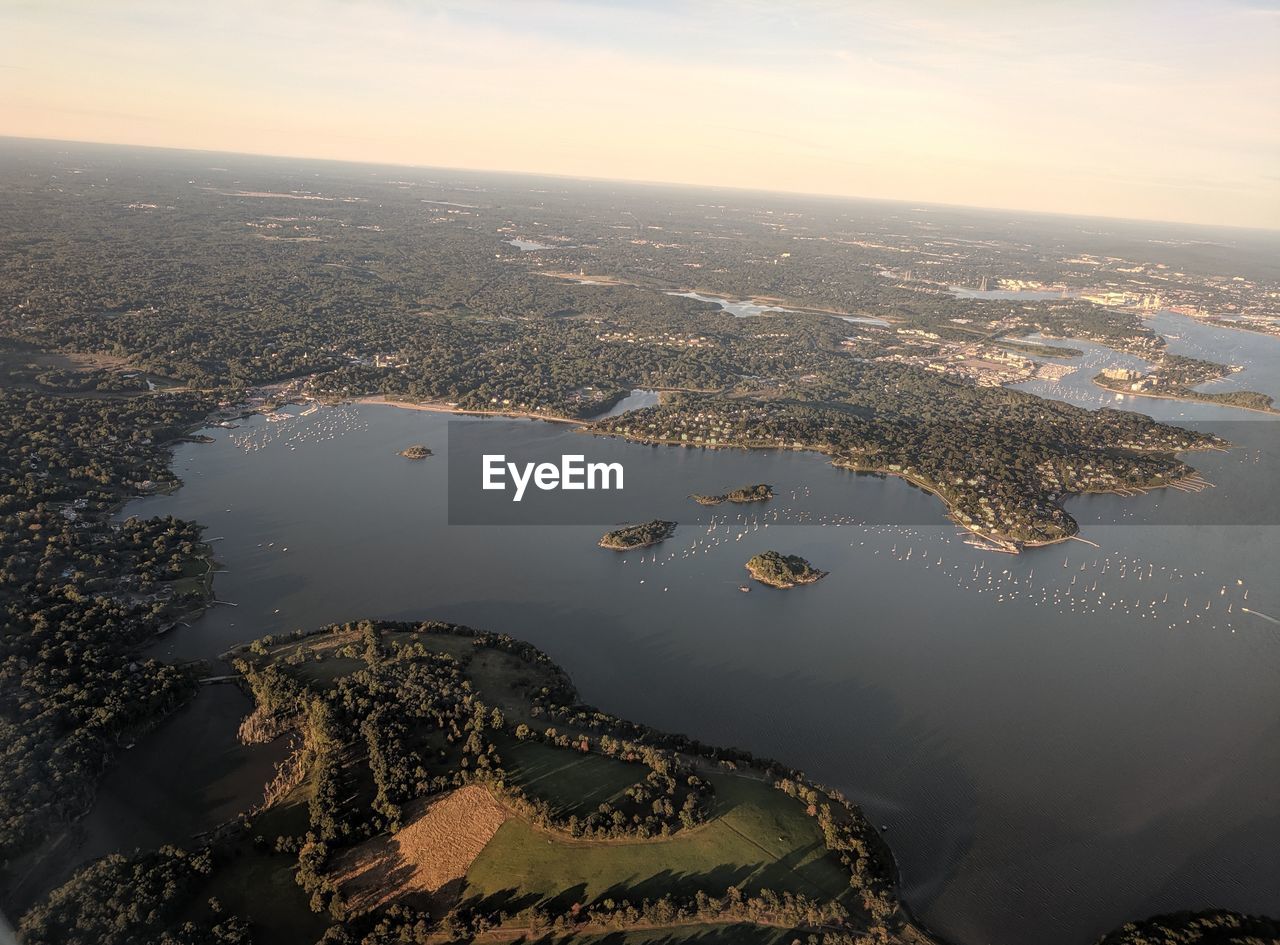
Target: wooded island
{"x":638,"y":536}
{"x":779,"y":570}
{"x":760,"y":492}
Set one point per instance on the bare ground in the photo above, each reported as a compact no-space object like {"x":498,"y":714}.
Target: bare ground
{"x":442,"y":836}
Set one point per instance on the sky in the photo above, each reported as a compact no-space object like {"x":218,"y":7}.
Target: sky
{"x":1147,"y":110}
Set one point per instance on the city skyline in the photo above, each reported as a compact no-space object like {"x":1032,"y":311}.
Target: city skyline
{"x":1149,"y":113}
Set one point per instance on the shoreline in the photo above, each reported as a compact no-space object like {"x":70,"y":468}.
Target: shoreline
{"x":708,"y":759}
{"x":1194,"y":400}
{"x":997,"y":542}
{"x":445,"y":409}
{"x":1215,"y":321}
{"x":1000,"y":543}
{"x":432,"y":407}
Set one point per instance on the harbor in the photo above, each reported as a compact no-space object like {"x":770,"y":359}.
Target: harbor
{"x":1081,"y":661}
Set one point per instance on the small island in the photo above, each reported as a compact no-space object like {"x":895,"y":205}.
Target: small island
{"x":760,"y":492}
{"x":417,"y":451}
{"x":638,"y":536}
{"x":779,"y":570}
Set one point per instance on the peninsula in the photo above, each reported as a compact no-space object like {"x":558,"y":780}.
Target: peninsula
{"x":1056,"y":450}
{"x":449,"y":783}
{"x":1176,"y":377}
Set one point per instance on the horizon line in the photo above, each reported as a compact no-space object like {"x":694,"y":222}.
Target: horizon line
{"x":647,"y":183}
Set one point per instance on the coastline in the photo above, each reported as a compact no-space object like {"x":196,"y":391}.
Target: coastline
{"x":708,"y":759}
{"x":445,"y":409}
{"x":1001,"y":543}
{"x":1217,"y":321}
{"x":432,"y":407}
{"x":998,"y":542}
{"x":1194,"y":400}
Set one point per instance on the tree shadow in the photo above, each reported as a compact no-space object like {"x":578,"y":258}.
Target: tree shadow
{"x":713,"y":882}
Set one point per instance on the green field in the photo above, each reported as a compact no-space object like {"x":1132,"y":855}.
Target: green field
{"x":196,"y":574}
{"x":504,"y":679}
{"x":327,"y":671}
{"x":459,"y":647}
{"x":758,"y":838}
{"x":572,"y":782}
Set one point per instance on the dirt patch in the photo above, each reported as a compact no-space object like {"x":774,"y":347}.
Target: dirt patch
{"x":441,"y":838}
{"x":330,"y":643}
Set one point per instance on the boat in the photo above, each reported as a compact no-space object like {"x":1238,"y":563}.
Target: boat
{"x":744,"y":588}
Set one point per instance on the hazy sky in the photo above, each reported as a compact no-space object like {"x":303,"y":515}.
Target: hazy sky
{"x":1161,"y":110}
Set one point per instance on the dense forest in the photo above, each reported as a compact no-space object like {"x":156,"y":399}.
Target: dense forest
{"x":80,"y":592}
{"x":122,"y":900}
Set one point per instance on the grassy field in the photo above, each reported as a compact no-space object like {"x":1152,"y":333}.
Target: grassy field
{"x":503,"y":680}
{"x":456,"y":646}
{"x":331,"y":667}
{"x":758,"y":838}
{"x":501,"y":677}
{"x":196,"y":575}
{"x":572,"y":782}
{"x":327,"y":671}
